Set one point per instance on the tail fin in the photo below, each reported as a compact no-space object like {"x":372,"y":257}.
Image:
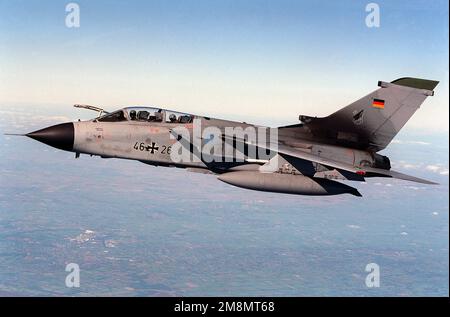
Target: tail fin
{"x":373,"y":121}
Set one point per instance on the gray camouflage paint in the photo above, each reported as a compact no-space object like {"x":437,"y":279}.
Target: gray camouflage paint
{"x":307,"y":156}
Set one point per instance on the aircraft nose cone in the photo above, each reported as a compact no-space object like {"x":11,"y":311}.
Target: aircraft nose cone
{"x":60,"y":136}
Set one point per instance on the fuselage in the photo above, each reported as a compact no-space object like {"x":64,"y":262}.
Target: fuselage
{"x":136,"y":133}
{"x":291,"y":159}
{"x":144,"y":139}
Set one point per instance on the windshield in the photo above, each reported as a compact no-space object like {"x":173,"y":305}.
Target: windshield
{"x":178,"y":117}
{"x":113,"y":117}
{"x":145,"y":114}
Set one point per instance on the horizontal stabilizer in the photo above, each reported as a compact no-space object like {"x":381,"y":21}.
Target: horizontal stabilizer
{"x":410,"y":178}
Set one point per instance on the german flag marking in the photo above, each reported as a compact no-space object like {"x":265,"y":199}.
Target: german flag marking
{"x":378,"y":103}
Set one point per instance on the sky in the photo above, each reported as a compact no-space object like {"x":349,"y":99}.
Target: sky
{"x":268,"y":60}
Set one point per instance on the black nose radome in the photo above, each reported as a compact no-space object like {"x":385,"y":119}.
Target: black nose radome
{"x":60,"y":136}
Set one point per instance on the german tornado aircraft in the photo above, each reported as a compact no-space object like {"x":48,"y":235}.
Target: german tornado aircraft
{"x":308,"y":158}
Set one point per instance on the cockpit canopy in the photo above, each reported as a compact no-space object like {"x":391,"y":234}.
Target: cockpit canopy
{"x":147,"y":114}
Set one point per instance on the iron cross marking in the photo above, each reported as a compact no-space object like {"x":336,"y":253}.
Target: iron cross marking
{"x":152,"y":148}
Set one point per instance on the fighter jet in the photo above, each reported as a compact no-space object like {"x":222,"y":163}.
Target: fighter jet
{"x":307,"y":158}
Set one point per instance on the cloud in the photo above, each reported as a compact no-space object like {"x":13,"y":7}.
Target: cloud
{"x":437,"y":168}
{"x":410,"y":166}
{"x":434,"y":168}
{"x":405,"y":165}
{"x":396,"y":141}
{"x":22,"y":119}
{"x":50,"y":118}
